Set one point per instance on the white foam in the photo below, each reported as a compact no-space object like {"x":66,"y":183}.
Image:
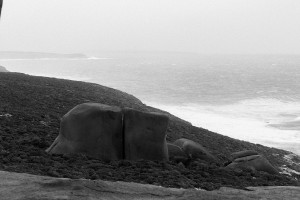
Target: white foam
{"x":246,"y":120}
{"x":97,"y":58}
{"x":297,"y":119}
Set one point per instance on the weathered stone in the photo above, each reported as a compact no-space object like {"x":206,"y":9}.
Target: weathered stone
{"x":195,"y":150}
{"x":92,"y":129}
{"x":145,"y":135}
{"x":16,"y":186}
{"x":244,"y":153}
{"x":247,"y":158}
{"x":176,"y":153}
{"x":254,"y":162}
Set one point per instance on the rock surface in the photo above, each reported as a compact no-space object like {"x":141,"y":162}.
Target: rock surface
{"x":194,"y":150}
{"x":145,"y":135}
{"x":110,"y":133}
{"x":93,"y":129}
{"x":15,"y":186}
{"x":176,"y":153}
{"x":254,"y":162}
{"x":241,"y":154}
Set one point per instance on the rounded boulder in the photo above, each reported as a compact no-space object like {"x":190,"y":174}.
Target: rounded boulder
{"x":256,"y":162}
{"x":195,"y":150}
{"x":176,"y":153}
{"x":244,"y":153}
{"x":92,"y":129}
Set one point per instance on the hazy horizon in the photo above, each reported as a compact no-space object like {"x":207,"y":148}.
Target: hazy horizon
{"x":194,"y":26}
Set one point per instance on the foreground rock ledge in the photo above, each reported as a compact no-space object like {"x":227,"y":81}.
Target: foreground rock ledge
{"x":24,"y":186}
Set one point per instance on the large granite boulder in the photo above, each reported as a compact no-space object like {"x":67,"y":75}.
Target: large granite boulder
{"x":145,"y":135}
{"x":195,"y":150}
{"x":253,"y":162}
{"x":93,"y":129}
{"x":176,"y":153}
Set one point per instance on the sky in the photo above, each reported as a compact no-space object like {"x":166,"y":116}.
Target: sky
{"x":200,"y":26}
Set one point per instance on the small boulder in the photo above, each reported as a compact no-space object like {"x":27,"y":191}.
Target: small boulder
{"x":145,"y":135}
{"x":254,"y":162}
{"x":92,"y":129}
{"x":244,"y":153}
{"x":176,"y":153}
{"x":195,"y":150}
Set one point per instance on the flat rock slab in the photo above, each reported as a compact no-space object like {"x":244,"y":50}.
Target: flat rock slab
{"x":16,"y":186}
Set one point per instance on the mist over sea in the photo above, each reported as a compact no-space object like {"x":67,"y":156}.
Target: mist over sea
{"x":249,"y":97}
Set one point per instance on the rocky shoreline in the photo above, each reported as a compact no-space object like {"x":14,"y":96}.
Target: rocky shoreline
{"x":30,"y":111}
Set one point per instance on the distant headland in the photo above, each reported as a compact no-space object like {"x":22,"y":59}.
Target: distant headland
{"x":3,"y":69}
{"x":38,"y":55}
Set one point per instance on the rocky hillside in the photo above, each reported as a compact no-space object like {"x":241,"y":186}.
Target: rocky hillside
{"x":30,"y":111}
{"x":37,"y":55}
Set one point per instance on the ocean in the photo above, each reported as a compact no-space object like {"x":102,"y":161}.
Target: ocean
{"x":254,"y":98}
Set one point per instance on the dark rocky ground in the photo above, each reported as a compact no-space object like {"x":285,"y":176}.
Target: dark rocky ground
{"x":30,"y":112}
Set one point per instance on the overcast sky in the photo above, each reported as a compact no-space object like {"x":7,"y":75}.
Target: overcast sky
{"x":203,"y":26}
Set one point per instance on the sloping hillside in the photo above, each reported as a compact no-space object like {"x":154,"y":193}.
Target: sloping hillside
{"x":30,"y":111}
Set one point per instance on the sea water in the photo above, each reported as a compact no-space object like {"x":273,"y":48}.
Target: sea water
{"x":254,"y":98}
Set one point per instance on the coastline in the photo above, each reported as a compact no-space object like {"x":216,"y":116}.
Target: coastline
{"x":259,"y":120}
{"x":233,"y":121}
{"x":31,"y":108}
